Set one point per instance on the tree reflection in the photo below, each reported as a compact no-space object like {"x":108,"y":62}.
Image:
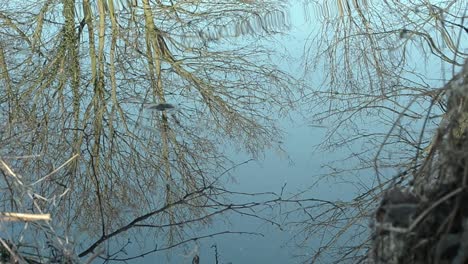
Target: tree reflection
{"x":383,"y":65}
{"x":70,"y":71}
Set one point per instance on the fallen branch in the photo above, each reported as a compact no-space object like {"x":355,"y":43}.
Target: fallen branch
{"x":24,"y":217}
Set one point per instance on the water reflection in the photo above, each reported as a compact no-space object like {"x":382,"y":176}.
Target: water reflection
{"x":123,"y":118}
{"x":78,"y":85}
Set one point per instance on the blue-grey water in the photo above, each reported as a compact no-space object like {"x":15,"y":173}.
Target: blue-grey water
{"x":294,"y":168}
{"x":298,"y":168}
{"x":296,"y":171}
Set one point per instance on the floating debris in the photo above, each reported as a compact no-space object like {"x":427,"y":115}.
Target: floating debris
{"x":405,"y":33}
{"x":161,"y":107}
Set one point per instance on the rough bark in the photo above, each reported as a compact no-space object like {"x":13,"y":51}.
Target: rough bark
{"x":427,"y":222}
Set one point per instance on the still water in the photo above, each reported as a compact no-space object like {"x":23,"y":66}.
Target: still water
{"x":156,"y":111}
{"x":295,"y":170}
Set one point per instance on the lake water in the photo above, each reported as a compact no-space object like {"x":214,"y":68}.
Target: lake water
{"x":272,"y":231}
